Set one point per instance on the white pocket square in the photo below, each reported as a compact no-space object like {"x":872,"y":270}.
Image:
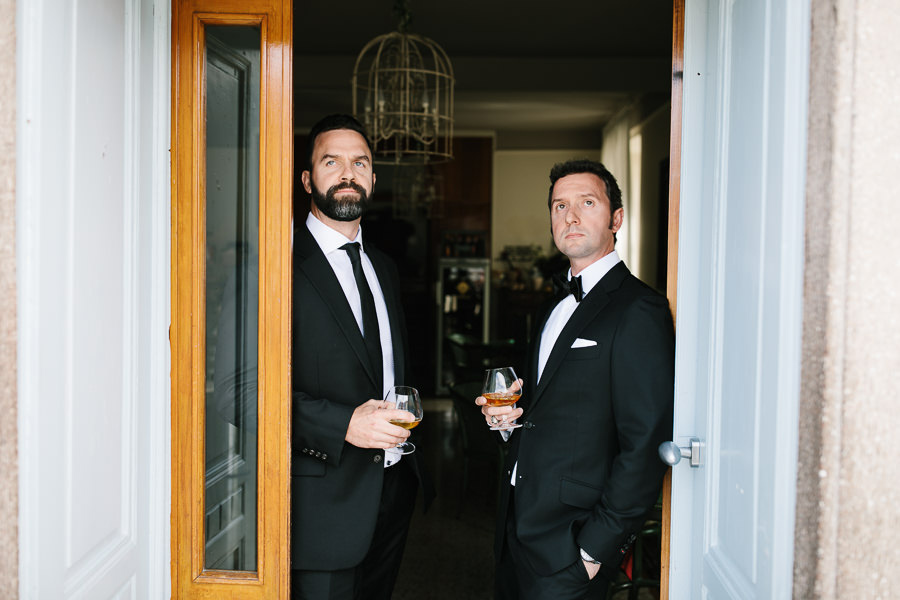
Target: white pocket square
{"x":583,"y":343}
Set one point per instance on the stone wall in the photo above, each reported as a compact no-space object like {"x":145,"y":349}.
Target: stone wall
{"x":848,"y":486}
{"x":9,"y":489}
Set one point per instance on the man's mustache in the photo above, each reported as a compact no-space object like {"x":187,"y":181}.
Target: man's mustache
{"x":348,"y":185}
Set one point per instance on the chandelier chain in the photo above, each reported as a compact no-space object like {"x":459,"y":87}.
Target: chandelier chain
{"x":403,"y":93}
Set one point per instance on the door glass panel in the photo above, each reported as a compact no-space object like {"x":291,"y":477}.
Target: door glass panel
{"x":232,"y":299}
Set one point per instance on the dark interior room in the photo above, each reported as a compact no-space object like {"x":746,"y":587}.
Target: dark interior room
{"x":533,"y":84}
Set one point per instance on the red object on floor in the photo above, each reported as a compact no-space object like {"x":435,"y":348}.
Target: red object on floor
{"x":628,"y":563}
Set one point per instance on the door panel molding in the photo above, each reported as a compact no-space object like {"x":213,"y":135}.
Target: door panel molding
{"x":93,"y":200}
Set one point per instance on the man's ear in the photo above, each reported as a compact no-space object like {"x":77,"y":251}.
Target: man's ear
{"x":617,"y":218}
{"x":304,"y":177}
{"x":373,"y":181}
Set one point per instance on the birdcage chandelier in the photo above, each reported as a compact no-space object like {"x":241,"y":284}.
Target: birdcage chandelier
{"x":418,"y":192}
{"x":403,"y":94}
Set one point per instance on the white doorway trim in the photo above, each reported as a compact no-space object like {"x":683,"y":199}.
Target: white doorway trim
{"x":160,"y":194}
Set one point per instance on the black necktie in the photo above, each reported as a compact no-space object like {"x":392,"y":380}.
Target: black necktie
{"x":371,"y":333}
{"x":572,"y":286}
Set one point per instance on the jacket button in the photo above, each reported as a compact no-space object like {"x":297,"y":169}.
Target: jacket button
{"x":324,"y":456}
{"x":376,"y":458}
{"x":528,"y":425}
{"x":318,"y":455}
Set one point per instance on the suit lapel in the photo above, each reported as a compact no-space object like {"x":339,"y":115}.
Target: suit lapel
{"x":536,"y":351}
{"x":587,"y":310}
{"x":310,"y":259}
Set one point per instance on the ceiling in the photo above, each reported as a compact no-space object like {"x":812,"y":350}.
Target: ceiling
{"x":532,"y":76}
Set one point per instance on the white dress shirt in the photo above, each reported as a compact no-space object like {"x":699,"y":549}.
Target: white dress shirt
{"x":330,"y":241}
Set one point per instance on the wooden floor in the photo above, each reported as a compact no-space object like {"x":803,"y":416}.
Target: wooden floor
{"x":449,"y":553}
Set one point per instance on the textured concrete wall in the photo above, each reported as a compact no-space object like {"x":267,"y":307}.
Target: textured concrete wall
{"x":848,"y":500}
{"x":9,"y":489}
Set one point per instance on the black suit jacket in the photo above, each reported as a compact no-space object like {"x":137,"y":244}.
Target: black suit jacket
{"x":335,"y":486}
{"x":588,"y":469}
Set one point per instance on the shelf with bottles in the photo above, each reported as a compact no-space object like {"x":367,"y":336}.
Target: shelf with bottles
{"x":463,"y":301}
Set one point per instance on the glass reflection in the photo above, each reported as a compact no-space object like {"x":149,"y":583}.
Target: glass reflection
{"x":232,"y":273}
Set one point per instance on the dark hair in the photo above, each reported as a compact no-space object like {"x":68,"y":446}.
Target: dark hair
{"x":331,"y":123}
{"x":584,"y":165}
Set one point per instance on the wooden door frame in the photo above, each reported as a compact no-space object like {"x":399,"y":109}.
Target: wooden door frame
{"x":672,"y":252}
{"x":190,"y":579}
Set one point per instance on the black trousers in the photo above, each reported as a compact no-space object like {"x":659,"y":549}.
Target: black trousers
{"x":516,"y":580}
{"x":374,"y":577}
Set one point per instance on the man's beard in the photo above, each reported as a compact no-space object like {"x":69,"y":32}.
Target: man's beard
{"x":345,"y":209}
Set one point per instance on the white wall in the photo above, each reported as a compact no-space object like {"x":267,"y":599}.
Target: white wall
{"x":653,"y":136}
{"x":616,"y":157}
{"x":633,"y":146}
{"x":92,"y":226}
{"x":519,"y":213}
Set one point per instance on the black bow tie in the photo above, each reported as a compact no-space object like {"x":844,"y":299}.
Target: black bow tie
{"x":572,"y":286}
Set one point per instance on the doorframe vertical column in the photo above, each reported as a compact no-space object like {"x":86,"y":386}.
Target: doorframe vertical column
{"x":158,"y":188}
{"x":672,"y":253}
{"x":9,"y":469}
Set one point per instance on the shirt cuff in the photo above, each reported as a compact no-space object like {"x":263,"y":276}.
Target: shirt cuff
{"x":588,"y":558}
{"x":391,"y":457}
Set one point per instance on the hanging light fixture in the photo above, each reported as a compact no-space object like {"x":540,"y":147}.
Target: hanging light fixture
{"x":403,"y":93}
{"x":418,"y":192}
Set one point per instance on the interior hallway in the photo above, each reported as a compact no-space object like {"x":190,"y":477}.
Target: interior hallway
{"x":449,"y":553}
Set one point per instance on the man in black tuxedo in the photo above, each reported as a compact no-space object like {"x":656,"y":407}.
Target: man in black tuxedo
{"x":596,"y":404}
{"x":352,"y":493}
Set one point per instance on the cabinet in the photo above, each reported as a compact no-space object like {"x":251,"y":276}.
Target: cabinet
{"x":463,"y":301}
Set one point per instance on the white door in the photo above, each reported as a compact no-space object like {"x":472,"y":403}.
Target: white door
{"x":739,"y":297}
{"x":93,"y":272}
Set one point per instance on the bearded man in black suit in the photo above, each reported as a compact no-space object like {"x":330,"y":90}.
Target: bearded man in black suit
{"x":352,"y":493}
{"x":583,"y":468}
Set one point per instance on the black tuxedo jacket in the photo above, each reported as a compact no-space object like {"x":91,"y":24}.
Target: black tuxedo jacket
{"x":335,"y":486}
{"x":588,"y":469}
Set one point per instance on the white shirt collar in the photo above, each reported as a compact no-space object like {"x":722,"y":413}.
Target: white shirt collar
{"x":329,"y":239}
{"x":596,"y":270}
